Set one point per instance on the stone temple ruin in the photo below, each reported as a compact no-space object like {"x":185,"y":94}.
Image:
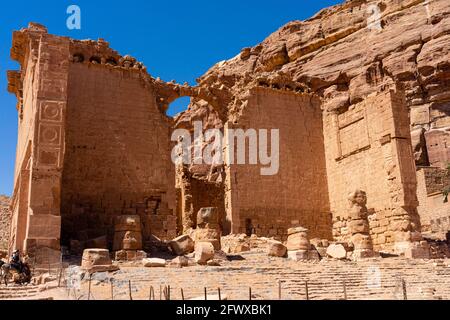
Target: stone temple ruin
{"x":95,"y":145}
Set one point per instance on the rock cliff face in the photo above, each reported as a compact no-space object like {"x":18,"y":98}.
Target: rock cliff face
{"x":343,"y":54}
{"x":5,"y":216}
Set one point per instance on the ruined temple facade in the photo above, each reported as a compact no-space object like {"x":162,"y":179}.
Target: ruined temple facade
{"x":95,"y":141}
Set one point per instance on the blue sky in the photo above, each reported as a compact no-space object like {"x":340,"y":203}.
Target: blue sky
{"x":175,"y":39}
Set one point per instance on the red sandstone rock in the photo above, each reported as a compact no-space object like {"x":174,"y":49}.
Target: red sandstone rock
{"x":337,"y":251}
{"x":154,"y":263}
{"x":182,"y":245}
{"x":345,"y":88}
{"x":298,"y":239}
{"x":97,"y":260}
{"x":276,"y":249}
{"x":204,"y":251}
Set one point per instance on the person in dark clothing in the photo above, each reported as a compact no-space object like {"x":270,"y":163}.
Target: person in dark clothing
{"x":16,"y":263}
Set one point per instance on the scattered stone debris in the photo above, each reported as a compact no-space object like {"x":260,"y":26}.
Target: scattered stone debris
{"x":154,"y":263}
{"x":97,"y":260}
{"x":182,"y":245}
{"x":180,"y":261}
{"x":337,"y":251}
{"x":204,"y":251}
{"x":276,"y":249}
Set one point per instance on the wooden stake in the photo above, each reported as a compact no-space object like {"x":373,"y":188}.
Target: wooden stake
{"x":279,"y":289}
{"x":206,"y":295}
{"x":250,"y":293}
{"x":89,"y":289}
{"x":307,"y":290}
{"x":59,"y":277}
{"x":182,"y":294}
{"x":220,"y":295}
{"x":151,"y":294}
{"x":345,"y":291}
{"x":165,"y":293}
{"x":405,"y":296}
{"x":129,"y":289}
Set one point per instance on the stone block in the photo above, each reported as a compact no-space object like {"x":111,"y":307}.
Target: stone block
{"x":127,"y":223}
{"x":127,"y":240}
{"x":97,"y":260}
{"x":303,"y":255}
{"x":154,"y":263}
{"x":418,"y":251}
{"x":360,"y":254}
{"x":276,"y":249}
{"x":337,"y":251}
{"x":298,"y":241}
{"x":204,"y":251}
{"x":209,"y":235}
{"x":295,"y":230}
{"x":182,"y":245}
{"x":180,"y":261}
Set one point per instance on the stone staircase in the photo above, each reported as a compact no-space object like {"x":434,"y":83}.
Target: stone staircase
{"x":14,"y":292}
{"x":367,"y":280}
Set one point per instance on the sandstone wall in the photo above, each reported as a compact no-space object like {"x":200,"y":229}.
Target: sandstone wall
{"x":297,"y":194}
{"x":434,"y":213}
{"x":5,"y":222}
{"x":116,"y":136}
{"x":40,"y":87}
{"x":342,"y":52}
{"x":117,"y":154}
{"x":368,"y":147}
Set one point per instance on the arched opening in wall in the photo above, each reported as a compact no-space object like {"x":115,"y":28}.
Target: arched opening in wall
{"x":178,"y":106}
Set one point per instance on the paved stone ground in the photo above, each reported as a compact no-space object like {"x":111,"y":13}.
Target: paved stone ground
{"x":370,"y":279}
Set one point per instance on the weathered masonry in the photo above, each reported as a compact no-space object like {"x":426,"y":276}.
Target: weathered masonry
{"x":94,"y":143}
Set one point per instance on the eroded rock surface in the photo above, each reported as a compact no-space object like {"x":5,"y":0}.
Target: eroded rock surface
{"x":5,"y":216}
